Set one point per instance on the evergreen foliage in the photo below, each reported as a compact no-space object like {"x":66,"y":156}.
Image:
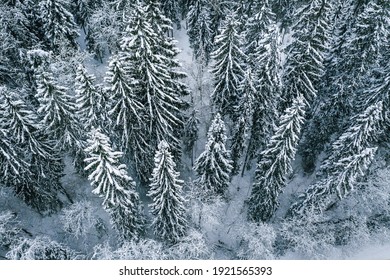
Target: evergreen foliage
{"x":200,"y":30}
{"x":152,"y":65}
{"x":352,"y":153}
{"x":168,"y":208}
{"x":57,"y":23}
{"x":214,"y":165}
{"x":228,"y":68}
{"x":304,"y":61}
{"x":125,"y":109}
{"x":89,"y":99}
{"x":111,"y":181}
{"x":30,"y":163}
{"x":57,"y":109}
{"x":275,"y":163}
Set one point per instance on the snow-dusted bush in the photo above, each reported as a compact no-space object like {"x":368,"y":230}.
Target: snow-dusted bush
{"x":191,"y":247}
{"x":205,"y":211}
{"x":308,"y":237}
{"x":40,"y":248}
{"x":78,"y":219}
{"x":257,"y":242}
{"x":9,"y":228}
{"x":146,"y":249}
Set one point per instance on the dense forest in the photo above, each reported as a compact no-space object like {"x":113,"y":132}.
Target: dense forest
{"x":194,"y":129}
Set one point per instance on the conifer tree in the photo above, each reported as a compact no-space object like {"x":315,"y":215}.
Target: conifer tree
{"x":361,"y":29}
{"x":165,"y":190}
{"x":125,"y":109}
{"x":350,"y":157}
{"x":57,"y":108}
{"x":264,"y":57}
{"x":57,"y":22}
{"x":199,"y":30}
{"x":214,"y":165}
{"x":275,"y":163}
{"x":304,"y":61}
{"x":89,"y":99}
{"x":111,"y":181}
{"x":170,"y":10}
{"x":242,"y":128}
{"x":259,"y":25}
{"x":152,"y":65}
{"x":228,"y":68}
{"x":36,"y":168}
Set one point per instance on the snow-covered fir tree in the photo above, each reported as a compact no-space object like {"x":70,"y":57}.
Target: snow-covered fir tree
{"x":168,"y":208}
{"x":259,"y":25}
{"x":350,"y":157}
{"x":245,"y":111}
{"x":111,"y":181}
{"x":57,"y":23}
{"x":199,"y":30}
{"x":228,"y":67}
{"x":214,"y":166}
{"x":304,"y":62}
{"x":125,"y":109}
{"x":152,"y":65}
{"x":89,"y":99}
{"x":160,"y":21}
{"x":360,"y":30}
{"x":170,"y":8}
{"x":35,"y":164}
{"x":275,"y":163}
{"x":57,"y":109}
{"x":266,"y":86}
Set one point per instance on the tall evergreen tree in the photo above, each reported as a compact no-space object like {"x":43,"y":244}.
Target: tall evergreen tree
{"x":57,"y":23}
{"x":214,"y":165}
{"x":228,"y":67}
{"x":125,"y":109}
{"x":152,"y":65}
{"x":111,"y":181}
{"x":168,"y":204}
{"x":275,"y":163}
{"x":89,"y":99}
{"x":199,"y":30}
{"x":304,"y":61}
{"x":349,"y":71}
{"x":351,"y":155}
{"x":264,"y":55}
{"x":36,"y":171}
{"x":57,"y":108}
{"x":259,"y":25}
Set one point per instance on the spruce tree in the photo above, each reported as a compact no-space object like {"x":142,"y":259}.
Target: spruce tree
{"x":111,"y":182}
{"x":57,"y":109}
{"x":125,"y":109}
{"x":214,"y":165}
{"x":168,"y":208}
{"x":304,"y":61}
{"x":361,"y":29}
{"x":36,"y":167}
{"x":89,"y":99}
{"x":199,"y":30}
{"x":228,"y":68}
{"x":275,"y":163}
{"x":151,"y":60}
{"x":57,"y":23}
{"x":350,"y":157}
{"x":264,"y":58}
